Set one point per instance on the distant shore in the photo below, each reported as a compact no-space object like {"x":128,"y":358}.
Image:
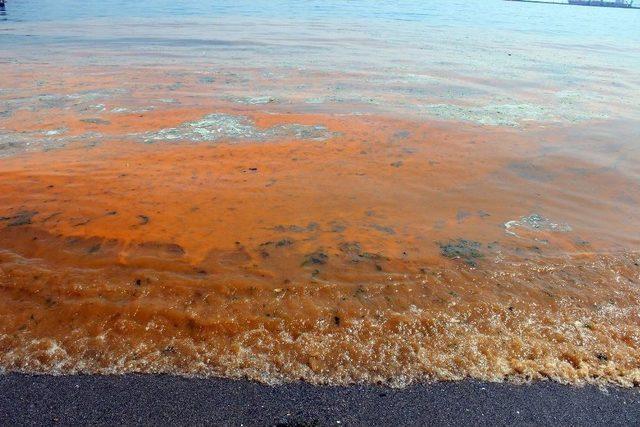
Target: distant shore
{"x":165,"y":399}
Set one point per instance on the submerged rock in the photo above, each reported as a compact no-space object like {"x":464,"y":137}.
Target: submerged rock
{"x":315,"y":258}
{"x":20,"y":218}
{"x":312,"y":226}
{"x":466,"y":250}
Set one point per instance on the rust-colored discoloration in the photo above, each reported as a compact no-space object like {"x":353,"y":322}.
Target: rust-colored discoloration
{"x":386,"y":249}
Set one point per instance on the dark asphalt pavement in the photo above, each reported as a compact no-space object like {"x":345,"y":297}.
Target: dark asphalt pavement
{"x":171,"y":400}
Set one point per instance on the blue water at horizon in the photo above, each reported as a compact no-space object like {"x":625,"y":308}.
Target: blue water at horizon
{"x":493,"y":15}
{"x":535,"y":61}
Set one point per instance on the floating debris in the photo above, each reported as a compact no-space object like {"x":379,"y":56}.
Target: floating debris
{"x":512,"y":115}
{"x":535,"y":222}
{"x":96,"y":121}
{"x":12,"y":143}
{"x":253,"y":100}
{"x":342,"y":100}
{"x":125,"y":110}
{"x":317,"y":132}
{"x":80,"y":101}
{"x":97,"y":107}
{"x":216,"y":127}
{"x":211,"y":128}
{"x":54,"y":132}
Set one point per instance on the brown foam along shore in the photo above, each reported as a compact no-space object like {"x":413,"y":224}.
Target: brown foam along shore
{"x":136,"y":399}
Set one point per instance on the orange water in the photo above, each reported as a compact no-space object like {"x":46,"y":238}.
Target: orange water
{"x":317,"y":245}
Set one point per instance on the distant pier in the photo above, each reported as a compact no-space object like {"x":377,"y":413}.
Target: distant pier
{"x":608,"y":6}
